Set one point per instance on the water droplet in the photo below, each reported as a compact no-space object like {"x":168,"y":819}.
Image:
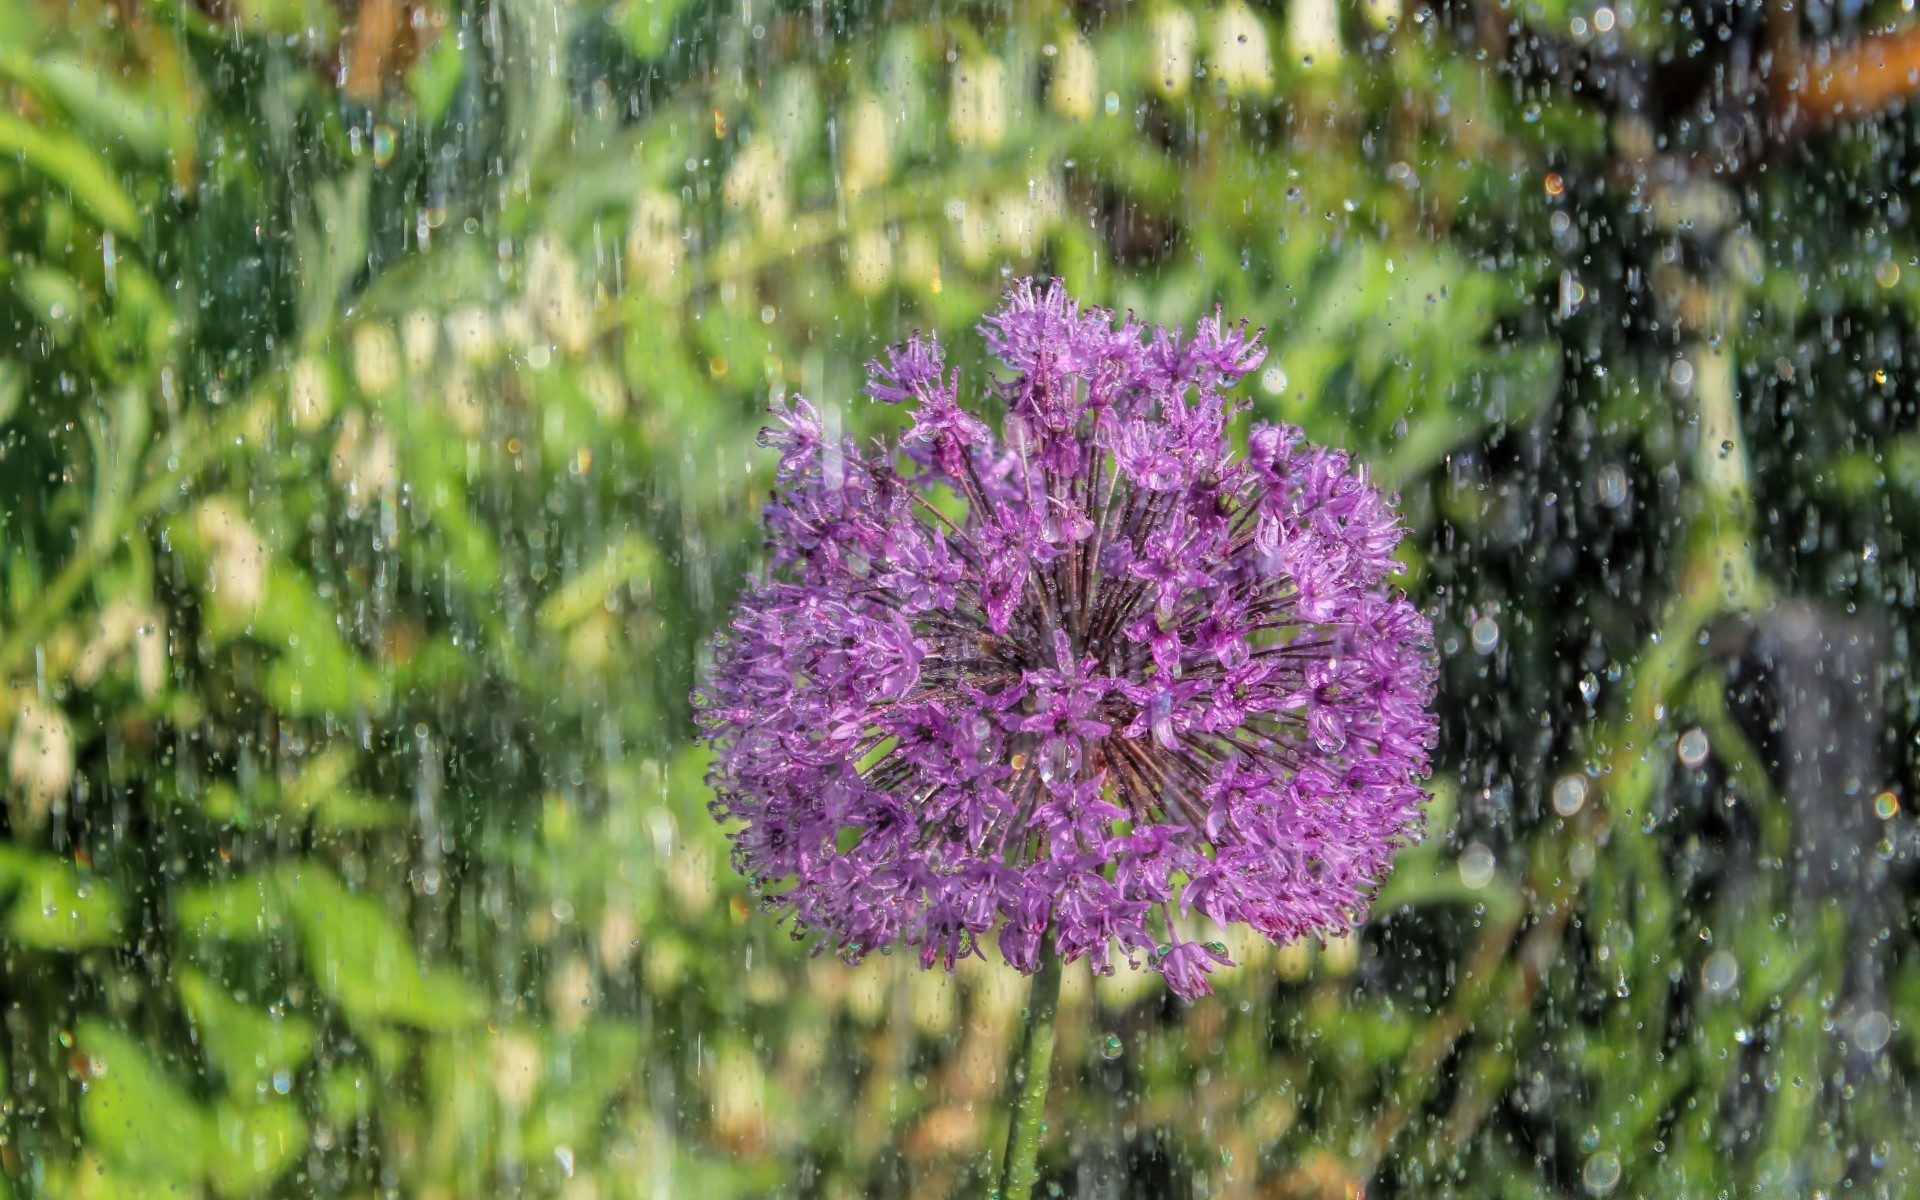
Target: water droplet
{"x":1720,"y":974}
{"x":1871,"y":1032}
{"x":1693,"y":748}
{"x":1589,"y":687}
{"x":1601,"y":1174}
{"x":1486,"y":635}
{"x":1886,"y":806}
{"x":1611,"y":485}
{"x":1111,"y":1047}
{"x":383,"y":145}
{"x":1570,"y":793}
{"x":1477,"y":866}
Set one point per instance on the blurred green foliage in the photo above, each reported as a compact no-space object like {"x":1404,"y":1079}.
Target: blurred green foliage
{"x":377,"y":401}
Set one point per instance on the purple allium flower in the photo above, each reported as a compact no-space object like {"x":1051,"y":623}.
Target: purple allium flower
{"x":1073,"y":678}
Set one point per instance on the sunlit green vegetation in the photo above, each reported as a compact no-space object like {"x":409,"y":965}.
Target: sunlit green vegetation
{"x":378,"y":390}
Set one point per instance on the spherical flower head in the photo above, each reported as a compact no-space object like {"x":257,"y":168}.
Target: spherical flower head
{"x":1083,"y":678}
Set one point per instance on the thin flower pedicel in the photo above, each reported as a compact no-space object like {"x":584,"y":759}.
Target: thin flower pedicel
{"x":1075,"y":677}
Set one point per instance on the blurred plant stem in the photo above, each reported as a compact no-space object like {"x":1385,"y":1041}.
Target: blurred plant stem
{"x":1030,"y":1071}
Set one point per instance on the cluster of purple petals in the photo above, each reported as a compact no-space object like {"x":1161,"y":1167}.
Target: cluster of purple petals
{"x":1074,"y":678}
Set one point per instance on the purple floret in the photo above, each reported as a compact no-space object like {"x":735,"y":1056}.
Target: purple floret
{"x":1073,"y":678}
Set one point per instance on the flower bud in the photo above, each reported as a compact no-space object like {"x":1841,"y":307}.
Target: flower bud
{"x":462,"y":403}
{"x":364,"y":462}
{"x":865,"y":155}
{"x":555,"y":295}
{"x":150,"y":653}
{"x":470,"y":330}
{"x":919,"y":256}
{"x":516,"y":1068}
{"x":616,"y":937}
{"x":869,"y":260}
{"x":690,"y":877}
{"x":932,"y":1001}
{"x":972,"y":235}
{"x":1075,"y":90}
{"x":1170,"y":45}
{"x":570,"y":994}
{"x":237,"y":578}
{"x":516,"y":326}
{"x":654,"y":239}
{"x":977,"y":112}
{"x":309,"y":392}
{"x":420,"y":340}
{"x":1383,"y":14}
{"x":1313,"y":31}
{"x":1240,"y":59}
{"x":39,"y":762}
{"x":376,"y":359}
{"x":757,"y":182}
{"x":1013,"y":225}
{"x":739,"y":1092}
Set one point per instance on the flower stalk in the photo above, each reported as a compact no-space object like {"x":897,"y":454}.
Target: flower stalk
{"x":1030,"y":1071}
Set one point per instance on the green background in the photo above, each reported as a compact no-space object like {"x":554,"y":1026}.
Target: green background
{"x":378,"y":387}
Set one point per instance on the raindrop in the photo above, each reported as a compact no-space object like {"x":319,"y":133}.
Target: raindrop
{"x":1111,"y":1047}
{"x":1486,"y":635}
{"x":1693,"y":748}
{"x":1589,"y":687}
{"x":1720,"y":974}
{"x":1569,"y":793}
{"x":1601,"y":1174}
{"x":383,"y":145}
{"x":1476,"y":866}
{"x":1871,"y":1032}
{"x":1611,"y":485}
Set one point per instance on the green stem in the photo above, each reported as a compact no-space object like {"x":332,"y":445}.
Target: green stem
{"x":1017,"y":1173}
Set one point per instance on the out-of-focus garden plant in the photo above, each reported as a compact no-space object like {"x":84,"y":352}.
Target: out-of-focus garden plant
{"x":378,"y":389}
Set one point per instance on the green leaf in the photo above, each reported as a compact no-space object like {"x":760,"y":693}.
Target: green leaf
{"x":148,"y":125}
{"x":600,"y":1060}
{"x":75,"y":168}
{"x":13,"y":385}
{"x":365,"y":962}
{"x":136,"y":1116}
{"x":647,"y":24}
{"x":436,"y":77}
{"x":254,"y":1144}
{"x":54,"y":298}
{"x":56,"y":909}
{"x":248,"y":1047}
{"x":246,"y":909}
{"x":628,"y":561}
{"x":310,"y":19}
